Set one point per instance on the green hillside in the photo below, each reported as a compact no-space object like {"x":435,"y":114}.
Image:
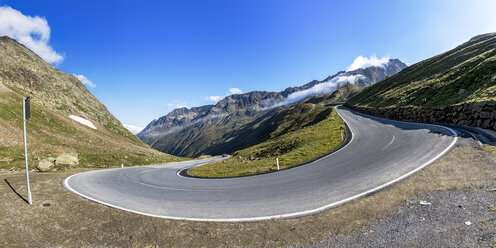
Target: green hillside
{"x":466,"y":73}
{"x":299,"y":134}
{"x":55,"y":96}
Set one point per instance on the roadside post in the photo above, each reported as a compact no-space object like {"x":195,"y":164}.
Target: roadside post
{"x":277,"y":162}
{"x":26,"y":115}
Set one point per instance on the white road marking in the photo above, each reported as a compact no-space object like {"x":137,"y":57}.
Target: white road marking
{"x":389,"y":143}
{"x":148,"y":170}
{"x":281,"y":216}
{"x":178,"y":189}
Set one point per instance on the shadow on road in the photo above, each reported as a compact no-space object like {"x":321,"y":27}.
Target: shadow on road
{"x":20,"y":196}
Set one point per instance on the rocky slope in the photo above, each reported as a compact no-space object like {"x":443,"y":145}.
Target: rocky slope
{"x":221,"y":128}
{"x":55,"y":96}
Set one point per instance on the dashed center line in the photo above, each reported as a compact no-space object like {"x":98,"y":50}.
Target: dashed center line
{"x":179,"y":189}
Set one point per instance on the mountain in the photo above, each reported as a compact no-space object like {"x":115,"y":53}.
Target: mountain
{"x":222,"y":128}
{"x":55,"y":97}
{"x":466,"y":73}
{"x":361,"y":77}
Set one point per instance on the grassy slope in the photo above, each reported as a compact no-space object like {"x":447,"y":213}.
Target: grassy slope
{"x":51,"y":133}
{"x":437,"y":81}
{"x":298,"y":138}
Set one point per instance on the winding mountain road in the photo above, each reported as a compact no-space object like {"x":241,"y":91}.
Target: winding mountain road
{"x":381,"y":152}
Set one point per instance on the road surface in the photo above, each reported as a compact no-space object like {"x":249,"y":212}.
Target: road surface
{"x":381,"y":152}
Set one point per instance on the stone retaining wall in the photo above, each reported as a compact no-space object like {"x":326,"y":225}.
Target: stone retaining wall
{"x":476,"y":114}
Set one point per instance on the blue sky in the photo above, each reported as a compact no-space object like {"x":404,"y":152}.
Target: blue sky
{"x":147,"y":57}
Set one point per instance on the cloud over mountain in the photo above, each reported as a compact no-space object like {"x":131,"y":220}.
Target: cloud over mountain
{"x":85,"y":81}
{"x":33,"y":32}
{"x":132,"y":128}
{"x":232,"y":91}
{"x":323,"y":88}
{"x":364,"y":62}
{"x":213,"y":98}
{"x":235,"y":91}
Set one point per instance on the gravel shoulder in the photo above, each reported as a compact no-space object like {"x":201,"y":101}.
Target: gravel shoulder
{"x":458,"y":187}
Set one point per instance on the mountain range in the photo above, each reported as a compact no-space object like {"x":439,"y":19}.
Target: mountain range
{"x":222,"y":128}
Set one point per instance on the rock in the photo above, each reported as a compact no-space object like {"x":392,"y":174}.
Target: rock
{"x":70,"y":159}
{"x":479,"y":122}
{"x":485,"y":123}
{"x":46,"y":165}
{"x":485,"y":115}
{"x":461,"y":116}
{"x":461,"y":91}
{"x":479,"y":106}
{"x":471,"y":107}
{"x":468,"y":223}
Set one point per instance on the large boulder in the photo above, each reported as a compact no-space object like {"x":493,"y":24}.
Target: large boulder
{"x":67,"y":159}
{"x":46,"y":165}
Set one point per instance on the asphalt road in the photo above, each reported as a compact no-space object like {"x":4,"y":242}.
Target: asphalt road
{"x":381,"y":152}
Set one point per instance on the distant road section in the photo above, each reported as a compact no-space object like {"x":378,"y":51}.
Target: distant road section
{"x":381,"y":152}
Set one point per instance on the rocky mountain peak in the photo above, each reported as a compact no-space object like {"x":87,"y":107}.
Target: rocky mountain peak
{"x":247,"y":103}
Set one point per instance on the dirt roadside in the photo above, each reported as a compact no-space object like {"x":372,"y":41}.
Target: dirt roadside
{"x":62,"y":219}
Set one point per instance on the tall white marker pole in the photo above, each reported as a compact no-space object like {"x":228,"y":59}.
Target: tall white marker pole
{"x":277,"y":162}
{"x":24,"y":101}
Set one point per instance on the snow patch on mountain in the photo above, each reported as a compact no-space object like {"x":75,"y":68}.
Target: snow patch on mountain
{"x":83,"y":121}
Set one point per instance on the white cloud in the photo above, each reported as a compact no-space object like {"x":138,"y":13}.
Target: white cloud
{"x":363,"y":62}
{"x":235,"y":91}
{"x":175,"y":105}
{"x":85,"y":81}
{"x":132,"y":128}
{"x":33,"y":32}
{"x":213,"y":98}
{"x":322,"y":88}
{"x":232,"y":91}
